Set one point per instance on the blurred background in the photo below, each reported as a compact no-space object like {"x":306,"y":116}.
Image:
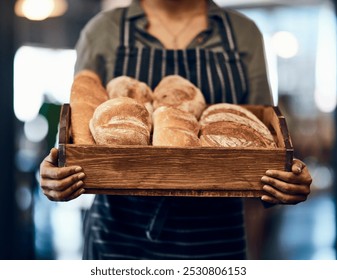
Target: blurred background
{"x":36,"y":70}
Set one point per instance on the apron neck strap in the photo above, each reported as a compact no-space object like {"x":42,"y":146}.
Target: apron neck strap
{"x":127,"y":29}
{"x":226,"y":32}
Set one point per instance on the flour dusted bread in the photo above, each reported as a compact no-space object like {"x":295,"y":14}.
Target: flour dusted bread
{"x":229,"y":108}
{"x":87,"y":92}
{"x":124,"y":86}
{"x":175,"y":118}
{"x":228,"y":125}
{"x":175,"y":91}
{"x":174,"y":127}
{"x":121,"y":121}
{"x":174,"y":137}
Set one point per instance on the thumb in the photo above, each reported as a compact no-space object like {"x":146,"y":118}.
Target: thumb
{"x":297,"y":166}
{"x":53,"y":156}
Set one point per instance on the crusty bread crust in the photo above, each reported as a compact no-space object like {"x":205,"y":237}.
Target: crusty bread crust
{"x":229,"y":125}
{"x":124,"y":86}
{"x":86,"y":94}
{"x":175,"y":91}
{"x":121,"y":121}
{"x":175,"y":118}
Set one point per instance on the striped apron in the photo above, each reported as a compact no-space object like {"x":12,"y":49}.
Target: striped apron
{"x":132,"y":227}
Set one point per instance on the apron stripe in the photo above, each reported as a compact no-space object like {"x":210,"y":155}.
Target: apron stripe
{"x":163,"y":63}
{"x":176,"y":63}
{"x":192,"y":65}
{"x":198,"y":68}
{"x":228,"y":32}
{"x":127,"y":33}
{"x":145,"y":69}
{"x":170,"y":63}
{"x":241,"y":73}
{"x":150,"y":74}
{"x":181,"y":64}
{"x":157,"y":67}
{"x":131,"y":63}
{"x":222,"y":65}
{"x":209,"y":77}
{"x":187,"y":70}
{"x":231,"y":79}
{"x":221,"y":78}
{"x":126,"y":46}
{"x":140,"y":57}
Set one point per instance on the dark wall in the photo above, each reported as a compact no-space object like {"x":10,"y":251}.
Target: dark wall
{"x":7,"y":205}
{"x":16,"y":227}
{"x":335,"y":159}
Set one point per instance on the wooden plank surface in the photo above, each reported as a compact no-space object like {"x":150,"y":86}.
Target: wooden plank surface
{"x":197,"y":171}
{"x":160,"y":168}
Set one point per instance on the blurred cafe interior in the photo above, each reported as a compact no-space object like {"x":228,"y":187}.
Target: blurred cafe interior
{"x":36,"y":70}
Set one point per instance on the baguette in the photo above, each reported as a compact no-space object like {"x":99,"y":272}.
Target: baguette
{"x":87,"y":92}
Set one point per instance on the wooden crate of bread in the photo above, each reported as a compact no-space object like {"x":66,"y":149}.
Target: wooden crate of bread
{"x":171,"y":171}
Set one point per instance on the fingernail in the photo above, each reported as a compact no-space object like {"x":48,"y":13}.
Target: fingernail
{"x":81,"y":176}
{"x":82,"y":191}
{"x":78,"y":169}
{"x":265,"y":187}
{"x":79,"y":183}
{"x":264,"y":179}
{"x":269,"y":173}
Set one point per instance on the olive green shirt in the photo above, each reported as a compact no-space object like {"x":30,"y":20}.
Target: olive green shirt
{"x":99,"y":40}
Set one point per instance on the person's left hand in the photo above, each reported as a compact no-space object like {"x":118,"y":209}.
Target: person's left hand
{"x":283,"y":187}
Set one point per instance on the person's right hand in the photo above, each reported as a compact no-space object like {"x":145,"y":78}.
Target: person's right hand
{"x":60,"y":183}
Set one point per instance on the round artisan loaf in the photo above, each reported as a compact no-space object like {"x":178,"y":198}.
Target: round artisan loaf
{"x":176,"y":91}
{"x":229,"y":108}
{"x":174,"y":127}
{"x":229,"y":125}
{"x":121,"y":121}
{"x":87,"y":92}
{"x":124,"y":86}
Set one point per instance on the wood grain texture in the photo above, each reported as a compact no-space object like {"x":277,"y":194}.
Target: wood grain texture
{"x":167,"y":171}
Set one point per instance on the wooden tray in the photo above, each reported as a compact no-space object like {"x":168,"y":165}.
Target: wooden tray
{"x":197,"y":171}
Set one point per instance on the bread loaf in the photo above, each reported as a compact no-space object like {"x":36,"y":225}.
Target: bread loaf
{"x":124,"y":86}
{"x":228,"y":125}
{"x":174,"y":127}
{"x":121,"y":121}
{"x":175,"y":91}
{"x":87,"y":92}
{"x":174,"y":137}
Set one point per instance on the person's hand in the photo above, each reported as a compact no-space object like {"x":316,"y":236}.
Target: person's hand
{"x":60,"y":183}
{"x":284,"y":187}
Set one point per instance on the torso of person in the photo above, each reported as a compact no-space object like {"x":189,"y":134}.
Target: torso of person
{"x":124,"y":227}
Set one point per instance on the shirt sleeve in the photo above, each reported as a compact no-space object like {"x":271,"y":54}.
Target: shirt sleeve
{"x":96,"y":46}
{"x":251,"y":45}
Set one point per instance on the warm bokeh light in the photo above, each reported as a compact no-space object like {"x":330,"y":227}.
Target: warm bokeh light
{"x":36,"y":130}
{"x":40,"y":9}
{"x":326,"y":72}
{"x":285,"y":44}
{"x":40,"y":74}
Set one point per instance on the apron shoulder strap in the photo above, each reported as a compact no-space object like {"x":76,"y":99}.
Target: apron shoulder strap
{"x":126,"y":30}
{"x":226,"y":32}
